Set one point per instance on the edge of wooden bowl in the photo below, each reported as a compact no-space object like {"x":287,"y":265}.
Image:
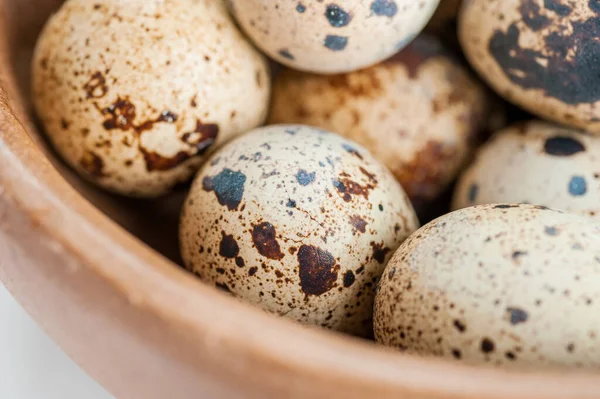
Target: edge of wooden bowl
{"x":146,"y":329}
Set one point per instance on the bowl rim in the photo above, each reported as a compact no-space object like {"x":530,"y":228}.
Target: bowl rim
{"x":149,"y":281}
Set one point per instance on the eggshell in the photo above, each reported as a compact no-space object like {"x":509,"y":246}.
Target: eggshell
{"x":332,"y":37}
{"x":540,"y":55}
{"x":420,"y":113}
{"x":298,"y":221}
{"x":537,"y":163}
{"x":133,"y":93}
{"x":503,"y":285}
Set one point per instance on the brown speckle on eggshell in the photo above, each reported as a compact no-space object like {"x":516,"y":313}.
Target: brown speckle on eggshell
{"x":313,"y":222}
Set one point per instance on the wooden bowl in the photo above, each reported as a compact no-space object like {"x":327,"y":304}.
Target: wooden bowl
{"x":99,"y":273}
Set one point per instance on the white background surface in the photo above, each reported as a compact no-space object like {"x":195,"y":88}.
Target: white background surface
{"x":32,"y":366}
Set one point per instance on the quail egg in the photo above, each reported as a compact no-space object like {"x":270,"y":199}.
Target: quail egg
{"x":537,"y":163}
{"x":332,"y":37}
{"x":132,"y":94}
{"x":512,"y":286}
{"x":297,"y":221}
{"x":541,"y":55}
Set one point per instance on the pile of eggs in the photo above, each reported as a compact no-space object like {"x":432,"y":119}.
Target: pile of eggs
{"x":311,"y":174}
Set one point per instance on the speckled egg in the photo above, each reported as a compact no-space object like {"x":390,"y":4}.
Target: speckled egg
{"x":542,"y":55}
{"x":298,"y":221}
{"x":332,"y":37}
{"x":503,"y":285}
{"x":419,"y":113}
{"x":536,"y":163}
{"x":132,"y":94}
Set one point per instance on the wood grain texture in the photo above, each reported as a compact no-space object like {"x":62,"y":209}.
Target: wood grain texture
{"x":146,"y":329}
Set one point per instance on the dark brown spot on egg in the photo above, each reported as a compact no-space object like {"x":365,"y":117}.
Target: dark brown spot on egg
{"x":318,"y":270}
{"x":358,"y":224}
{"x":156,"y":162}
{"x":122,"y":115}
{"x":96,"y":87}
{"x":165,"y":117}
{"x":285,"y":53}
{"x":349,"y":278}
{"x":228,"y":247}
{"x":460,"y":326}
{"x":346,"y":188}
{"x":265,"y":241}
{"x":570,"y":69}
{"x":516,"y":255}
{"x":487,"y":345}
{"x":119,"y":115}
{"x":92,"y":164}
{"x":532,"y":16}
{"x":379,"y":251}
{"x":203,"y":136}
{"x":370,"y":176}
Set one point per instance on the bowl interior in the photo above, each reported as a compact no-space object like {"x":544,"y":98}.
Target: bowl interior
{"x":304,"y":354}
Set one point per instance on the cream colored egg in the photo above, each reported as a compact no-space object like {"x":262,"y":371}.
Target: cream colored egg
{"x":297,"y":221}
{"x":332,"y":37}
{"x":541,"y":55}
{"x":537,"y":163}
{"x":132,"y":94}
{"x":502,"y":285}
{"x":420,"y":113}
